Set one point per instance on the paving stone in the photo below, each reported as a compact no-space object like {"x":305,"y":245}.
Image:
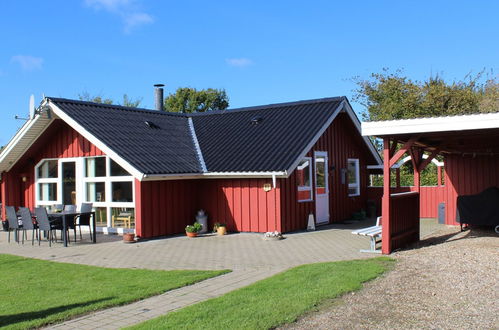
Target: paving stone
{"x":248,"y":256}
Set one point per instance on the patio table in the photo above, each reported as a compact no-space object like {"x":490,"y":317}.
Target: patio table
{"x":68,"y":215}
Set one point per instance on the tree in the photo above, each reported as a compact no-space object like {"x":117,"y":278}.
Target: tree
{"x":192,"y":100}
{"x":127,"y":101}
{"x":388,"y":96}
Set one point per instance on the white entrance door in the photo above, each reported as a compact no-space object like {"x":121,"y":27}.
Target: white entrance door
{"x":321,"y":187}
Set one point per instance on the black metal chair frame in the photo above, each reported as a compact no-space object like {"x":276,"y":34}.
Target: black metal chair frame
{"x":13,"y":222}
{"x":28,"y":224}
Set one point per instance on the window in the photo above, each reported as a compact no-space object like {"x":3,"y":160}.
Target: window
{"x":117,"y":170}
{"x":304,"y":179}
{"x":47,"y":192}
{"x":48,"y":169}
{"x":95,"y":167}
{"x":96,"y":192}
{"x":321,"y":185}
{"x":97,"y":179}
{"x":122,"y":192}
{"x":353,"y":177}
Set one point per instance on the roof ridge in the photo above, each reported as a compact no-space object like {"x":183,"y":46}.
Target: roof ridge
{"x":198,"y":114}
{"x":116,"y":106}
{"x":271,"y":105}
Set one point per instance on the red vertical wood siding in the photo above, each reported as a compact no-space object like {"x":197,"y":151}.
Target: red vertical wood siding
{"x":467,"y":176}
{"x":430,"y":196}
{"x":165,"y":207}
{"x":58,"y":141}
{"x":404,"y":223}
{"x":241,"y":203}
{"x":341,"y":142}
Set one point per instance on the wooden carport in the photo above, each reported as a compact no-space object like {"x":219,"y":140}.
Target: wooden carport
{"x":470,"y":147}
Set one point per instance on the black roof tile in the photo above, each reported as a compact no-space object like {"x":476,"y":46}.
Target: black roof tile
{"x":231,"y":142}
{"x":167,"y":149}
{"x":253,"y":139}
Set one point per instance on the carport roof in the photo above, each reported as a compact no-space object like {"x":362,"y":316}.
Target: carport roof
{"x":466,"y":134}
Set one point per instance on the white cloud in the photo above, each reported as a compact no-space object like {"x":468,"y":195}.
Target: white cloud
{"x":128,"y":10}
{"x":28,"y":63}
{"x":239,"y":62}
{"x":136,"y":19}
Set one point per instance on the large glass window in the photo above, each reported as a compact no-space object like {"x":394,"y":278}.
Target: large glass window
{"x":48,"y":169}
{"x":122,"y":191}
{"x":100,"y":216}
{"x":47,"y":192}
{"x":117,"y":170}
{"x":95,"y":167}
{"x":96,"y":192}
{"x":123,"y":217}
{"x":353,"y":177}
{"x":304,"y":179}
{"x":98,"y":180}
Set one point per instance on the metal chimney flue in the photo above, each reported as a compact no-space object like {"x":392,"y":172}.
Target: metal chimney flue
{"x":158,"y":97}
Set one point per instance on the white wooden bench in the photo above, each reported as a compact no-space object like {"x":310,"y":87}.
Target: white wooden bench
{"x":374,"y":233}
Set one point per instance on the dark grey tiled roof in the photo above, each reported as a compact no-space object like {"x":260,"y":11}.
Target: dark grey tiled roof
{"x":229,"y":140}
{"x":167,"y":149}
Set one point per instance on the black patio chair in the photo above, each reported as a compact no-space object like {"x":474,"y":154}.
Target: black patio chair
{"x":84,"y":219}
{"x":28,"y":224}
{"x":44,"y":224}
{"x":13,"y":222}
{"x":71,"y":221}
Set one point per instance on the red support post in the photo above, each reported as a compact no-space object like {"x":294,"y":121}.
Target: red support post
{"x":386,"y":242}
{"x":138,"y":209}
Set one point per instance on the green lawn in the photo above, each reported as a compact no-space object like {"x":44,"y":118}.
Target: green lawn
{"x":277,"y":300}
{"x":36,"y":292}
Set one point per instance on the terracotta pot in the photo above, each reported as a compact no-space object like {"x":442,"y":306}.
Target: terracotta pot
{"x":191,"y":234}
{"x":222,"y":230}
{"x":129,"y":238}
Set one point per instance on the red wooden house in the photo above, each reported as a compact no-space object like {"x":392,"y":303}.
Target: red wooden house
{"x":256,"y":169}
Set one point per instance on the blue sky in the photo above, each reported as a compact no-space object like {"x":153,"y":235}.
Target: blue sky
{"x":260,"y":51}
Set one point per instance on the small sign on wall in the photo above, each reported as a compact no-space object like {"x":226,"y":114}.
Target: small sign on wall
{"x":267,"y":187}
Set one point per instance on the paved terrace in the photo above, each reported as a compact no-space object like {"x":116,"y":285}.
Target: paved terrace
{"x":248,"y":256}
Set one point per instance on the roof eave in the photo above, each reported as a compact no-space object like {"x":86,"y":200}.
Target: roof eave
{"x":429,"y":125}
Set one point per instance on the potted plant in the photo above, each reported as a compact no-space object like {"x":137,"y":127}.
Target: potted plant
{"x":220,"y":228}
{"x":128,"y":237}
{"x":193,"y":230}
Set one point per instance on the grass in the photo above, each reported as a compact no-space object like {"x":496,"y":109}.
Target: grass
{"x":36,"y":292}
{"x":277,"y":300}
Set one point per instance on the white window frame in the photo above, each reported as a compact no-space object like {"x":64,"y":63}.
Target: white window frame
{"x":46,"y":180}
{"x":357,"y":177}
{"x":81,"y":188}
{"x":308,"y":188}
{"x":324,"y":155}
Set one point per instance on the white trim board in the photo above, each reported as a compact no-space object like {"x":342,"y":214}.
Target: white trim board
{"x":434,"y":124}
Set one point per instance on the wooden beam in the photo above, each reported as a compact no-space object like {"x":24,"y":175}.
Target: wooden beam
{"x":427,"y":161}
{"x":403,"y":150}
{"x":393,"y":148}
{"x":386,"y":243}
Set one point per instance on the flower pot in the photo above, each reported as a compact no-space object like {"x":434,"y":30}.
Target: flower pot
{"x":191,"y":234}
{"x":128,"y":238}
{"x":222,"y":230}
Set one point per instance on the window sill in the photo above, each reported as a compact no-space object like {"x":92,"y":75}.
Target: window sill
{"x":355,"y":195}
{"x":305,"y":201}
